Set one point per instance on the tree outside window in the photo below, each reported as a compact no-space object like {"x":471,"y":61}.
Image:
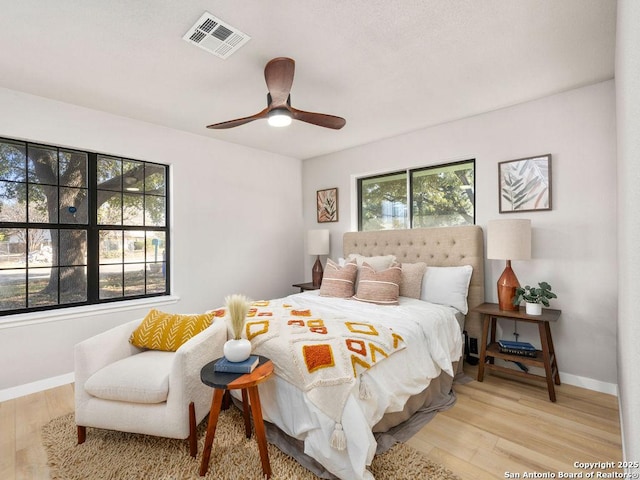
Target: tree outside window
{"x":437,"y":196}
{"x":78,"y":227}
{"x":383,"y":202}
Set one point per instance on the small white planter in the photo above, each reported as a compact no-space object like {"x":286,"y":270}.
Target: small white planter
{"x":237,"y":350}
{"x":533,"y":308}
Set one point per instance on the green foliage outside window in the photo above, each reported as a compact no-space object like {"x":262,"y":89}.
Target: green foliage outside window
{"x":438,"y":196}
{"x":383,"y":202}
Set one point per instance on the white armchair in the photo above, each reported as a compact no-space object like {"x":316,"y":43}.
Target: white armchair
{"x":121,"y":387}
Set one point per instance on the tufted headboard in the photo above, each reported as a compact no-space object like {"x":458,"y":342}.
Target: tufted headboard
{"x":440,"y":247}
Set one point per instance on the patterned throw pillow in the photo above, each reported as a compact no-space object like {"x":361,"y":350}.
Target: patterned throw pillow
{"x":338,"y":281}
{"x":168,"y":331}
{"x":379,"y":262}
{"x":381,"y":287}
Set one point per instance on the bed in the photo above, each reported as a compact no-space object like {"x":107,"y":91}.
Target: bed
{"x":334,"y":425}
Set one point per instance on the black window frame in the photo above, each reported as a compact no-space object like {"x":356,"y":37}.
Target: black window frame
{"x":409,"y":177}
{"x":93,"y":229}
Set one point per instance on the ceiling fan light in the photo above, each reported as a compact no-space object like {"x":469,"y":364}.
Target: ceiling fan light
{"x":279,"y":117}
{"x":129,"y":182}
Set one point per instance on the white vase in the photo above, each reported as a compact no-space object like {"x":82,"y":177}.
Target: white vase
{"x":533,"y":308}
{"x":237,"y":350}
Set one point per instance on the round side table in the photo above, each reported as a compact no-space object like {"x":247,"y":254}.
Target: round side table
{"x":248,"y":384}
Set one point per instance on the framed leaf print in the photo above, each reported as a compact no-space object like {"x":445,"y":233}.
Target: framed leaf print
{"x":327,"y":204}
{"x":525,"y":184}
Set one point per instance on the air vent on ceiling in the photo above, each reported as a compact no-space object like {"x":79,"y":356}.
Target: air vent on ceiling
{"x":213,"y":35}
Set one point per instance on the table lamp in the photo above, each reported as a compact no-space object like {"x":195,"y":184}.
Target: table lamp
{"x":508,"y":240}
{"x":317,"y":244}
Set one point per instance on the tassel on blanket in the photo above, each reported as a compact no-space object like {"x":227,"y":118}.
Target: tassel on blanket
{"x":338,"y":439}
{"x":365,"y":390}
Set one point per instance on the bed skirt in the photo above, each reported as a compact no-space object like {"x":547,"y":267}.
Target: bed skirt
{"x":392,"y":428}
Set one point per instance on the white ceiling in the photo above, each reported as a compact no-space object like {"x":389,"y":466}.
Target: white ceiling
{"x":387,"y":66}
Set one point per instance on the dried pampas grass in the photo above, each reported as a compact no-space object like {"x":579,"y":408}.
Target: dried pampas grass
{"x":238,"y":306}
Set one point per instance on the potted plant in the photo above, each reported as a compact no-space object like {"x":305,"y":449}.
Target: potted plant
{"x":534,"y":297}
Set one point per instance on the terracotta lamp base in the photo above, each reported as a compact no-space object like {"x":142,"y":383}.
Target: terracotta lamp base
{"x":507,"y":284}
{"x":316,"y":273}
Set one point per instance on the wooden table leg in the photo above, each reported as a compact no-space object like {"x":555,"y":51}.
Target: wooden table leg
{"x":245,"y":413}
{"x":492,"y":336}
{"x":483,"y":346}
{"x":226,"y":400}
{"x":193,"y":435}
{"x":552,"y":352}
{"x":214,"y":413}
{"x":261,"y":437}
{"x":546,"y":357}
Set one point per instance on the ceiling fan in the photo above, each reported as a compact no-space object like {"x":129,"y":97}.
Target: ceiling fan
{"x":278,"y":74}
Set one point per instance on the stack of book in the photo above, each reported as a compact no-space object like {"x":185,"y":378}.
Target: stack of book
{"x":524,"y":349}
{"x":246,"y":366}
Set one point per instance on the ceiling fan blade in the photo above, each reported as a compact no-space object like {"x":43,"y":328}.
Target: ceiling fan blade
{"x":320,"y":119}
{"x":239,"y":121}
{"x":278,"y":74}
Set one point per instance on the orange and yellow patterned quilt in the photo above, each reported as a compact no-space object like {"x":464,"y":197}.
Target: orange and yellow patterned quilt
{"x":326,"y":357}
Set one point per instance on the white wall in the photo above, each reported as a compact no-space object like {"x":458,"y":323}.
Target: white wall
{"x":574,"y":245}
{"x":235,"y":229}
{"x":628,"y":110}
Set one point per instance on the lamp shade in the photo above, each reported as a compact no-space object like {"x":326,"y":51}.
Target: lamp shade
{"x":318,"y":242}
{"x":509,"y":239}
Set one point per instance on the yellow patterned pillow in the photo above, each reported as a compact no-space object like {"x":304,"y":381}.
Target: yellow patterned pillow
{"x":168,"y":331}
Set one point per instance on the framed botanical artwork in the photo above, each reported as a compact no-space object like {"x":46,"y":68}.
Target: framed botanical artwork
{"x":327,"y":204}
{"x":525,"y":184}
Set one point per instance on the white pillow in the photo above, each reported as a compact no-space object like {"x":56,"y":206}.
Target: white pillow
{"x":447,"y":286}
{"x":381,"y":262}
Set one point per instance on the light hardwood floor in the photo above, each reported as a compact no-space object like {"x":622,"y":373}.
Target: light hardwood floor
{"x":500,"y":425}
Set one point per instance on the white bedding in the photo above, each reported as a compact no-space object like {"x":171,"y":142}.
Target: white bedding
{"x":434,"y":342}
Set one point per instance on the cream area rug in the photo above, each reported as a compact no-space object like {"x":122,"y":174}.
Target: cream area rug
{"x":124,"y":456}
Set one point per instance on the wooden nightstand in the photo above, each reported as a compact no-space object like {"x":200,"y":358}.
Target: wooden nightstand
{"x":545,"y":358}
{"x":305,"y":286}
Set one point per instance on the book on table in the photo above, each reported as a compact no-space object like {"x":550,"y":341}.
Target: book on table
{"x":518,"y":345}
{"x":246,"y":366}
{"x":524,"y":349}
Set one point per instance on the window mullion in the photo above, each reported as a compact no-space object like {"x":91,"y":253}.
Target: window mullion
{"x":93,"y":233}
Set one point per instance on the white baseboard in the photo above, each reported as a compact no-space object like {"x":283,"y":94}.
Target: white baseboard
{"x":34,"y":387}
{"x":575,"y":380}
{"x":589,"y":383}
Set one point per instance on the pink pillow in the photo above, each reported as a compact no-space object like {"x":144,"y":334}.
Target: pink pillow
{"x":338,"y":281}
{"x":411,"y":283}
{"x":381,"y":287}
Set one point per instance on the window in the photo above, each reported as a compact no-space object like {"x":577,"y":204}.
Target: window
{"x":79,"y":228}
{"x":383,"y":202}
{"x":436,"y":196}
